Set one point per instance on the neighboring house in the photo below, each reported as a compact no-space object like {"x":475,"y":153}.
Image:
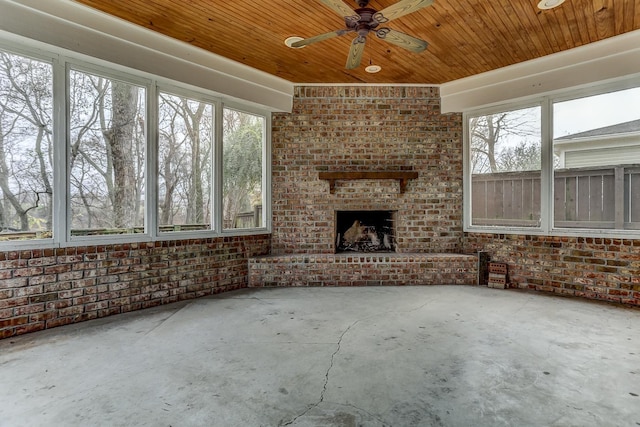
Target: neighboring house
{"x":617,"y":144}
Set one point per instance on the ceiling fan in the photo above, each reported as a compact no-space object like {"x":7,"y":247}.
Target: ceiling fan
{"x":364,"y":20}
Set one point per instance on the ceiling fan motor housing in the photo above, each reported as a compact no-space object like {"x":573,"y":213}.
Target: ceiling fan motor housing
{"x":363,"y":22}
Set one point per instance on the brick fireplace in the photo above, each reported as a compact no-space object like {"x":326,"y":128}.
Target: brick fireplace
{"x":368,"y":129}
{"x":366,"y":149}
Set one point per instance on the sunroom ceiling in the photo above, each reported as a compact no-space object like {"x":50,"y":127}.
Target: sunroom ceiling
{"x":466,"y":37}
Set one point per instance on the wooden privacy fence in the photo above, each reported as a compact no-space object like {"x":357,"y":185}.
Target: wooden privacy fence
{"x":594,"y":197}
{"x":250,"y":219}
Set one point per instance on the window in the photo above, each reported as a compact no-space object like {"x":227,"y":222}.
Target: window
{"x":597,"y":173}
{"x":75,"y":139}
{"x":242,"y":184}
{"x":570,"y":165}
{"x":185,"y":143}
{"x":106,"y":155}
{"x":26,"y":148}
{"x":505,"y":152}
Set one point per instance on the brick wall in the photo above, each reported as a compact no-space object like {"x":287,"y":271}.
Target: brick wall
{"x":595,"y":268}
{"x":367,"y":129}
{"x":51,"y":287}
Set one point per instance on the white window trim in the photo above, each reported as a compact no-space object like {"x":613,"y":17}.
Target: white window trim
{"x":546,"y":227}
{"x":83,"y":67}
{"x":62,"y":61}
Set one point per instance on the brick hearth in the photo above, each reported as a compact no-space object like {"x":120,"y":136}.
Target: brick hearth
{"x":363,"y":270}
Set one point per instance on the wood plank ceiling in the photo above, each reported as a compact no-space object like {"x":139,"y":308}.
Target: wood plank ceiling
{"x":465,"y":37}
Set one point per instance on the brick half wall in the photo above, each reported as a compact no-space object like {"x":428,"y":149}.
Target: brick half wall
{"x":44,"y":288}
{"x":595,"y":268}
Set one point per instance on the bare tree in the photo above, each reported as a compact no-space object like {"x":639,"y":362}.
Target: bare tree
{"x":494,"y":139}
{"x":25,"y":144}
{"x":184,"y":160}
{"x":107,"y":129}
{"x":119,"y":135}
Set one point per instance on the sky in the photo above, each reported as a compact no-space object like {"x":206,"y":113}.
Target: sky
{"x":594,"y":112}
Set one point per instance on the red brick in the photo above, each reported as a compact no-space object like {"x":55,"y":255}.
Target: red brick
{"x":6,"y":333}
{"x":42,"y":317}
{"x":56,"y":269}
{"x":29,"y":309}
{"x":31,"y":327}
{"x":45,"y":278}
{"x":70,"y":311}
{"x":41,"y":261}
{"x":14,"y":302}
{"x":27,"y":291}
{"x":14,"y":321}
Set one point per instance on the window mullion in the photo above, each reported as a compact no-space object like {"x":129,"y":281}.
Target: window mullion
{"x":60,"y":157}
{"x":546,"y":179}
{"x":266,"y":175}
{"x":151,"y":164}
{"x":217,"y":169}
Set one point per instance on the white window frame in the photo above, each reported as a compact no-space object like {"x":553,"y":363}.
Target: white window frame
{"x":58,"y":84}
{"x":83,"y":67}
{"x":546,"y":227}
{"x":62,"y":61}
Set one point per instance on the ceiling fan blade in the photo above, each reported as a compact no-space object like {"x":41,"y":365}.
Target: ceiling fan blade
{"x":318,"y":38}
{"x":401,"y":8}
{"x":355,"y":53}
{"x":339,"y":7}
{"x":401,"y":39}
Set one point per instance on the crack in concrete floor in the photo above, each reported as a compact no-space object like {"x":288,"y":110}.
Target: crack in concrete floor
{"x":326,"y":377}
{"x":333,"y":355}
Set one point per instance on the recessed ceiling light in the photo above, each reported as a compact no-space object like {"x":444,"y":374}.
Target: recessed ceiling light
{"x":549,"y":4}
{"x":373,"y":69}
{"x":291,"y":40}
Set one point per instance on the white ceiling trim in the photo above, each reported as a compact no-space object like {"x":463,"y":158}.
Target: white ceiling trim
{"x":69,"y":25}
{"x":608,"y":59}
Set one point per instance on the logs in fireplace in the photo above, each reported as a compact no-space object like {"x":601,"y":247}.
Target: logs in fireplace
{"x":365,"y":231}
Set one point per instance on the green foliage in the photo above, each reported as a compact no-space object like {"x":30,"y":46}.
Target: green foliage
{"x":242,"y":171}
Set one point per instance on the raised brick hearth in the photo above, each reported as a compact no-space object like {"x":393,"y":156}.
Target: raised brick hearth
{"x":363,"y":270}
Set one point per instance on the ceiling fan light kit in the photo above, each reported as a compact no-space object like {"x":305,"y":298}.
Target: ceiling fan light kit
{"x":372,"y":69}
{"x":549,"y":4}
{"x":289,"y":41}
{"x":364,"y":20}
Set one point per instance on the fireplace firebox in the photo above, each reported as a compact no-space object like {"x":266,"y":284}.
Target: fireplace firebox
{"x":365,"y":231}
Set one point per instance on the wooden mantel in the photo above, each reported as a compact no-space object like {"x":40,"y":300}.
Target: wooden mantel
{"x":401,"y":176}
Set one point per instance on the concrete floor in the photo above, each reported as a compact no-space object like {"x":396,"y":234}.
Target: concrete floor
{"x":387,"y":356}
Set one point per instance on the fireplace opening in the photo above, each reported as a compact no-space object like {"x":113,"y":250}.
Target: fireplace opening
{"x":365,"y":231}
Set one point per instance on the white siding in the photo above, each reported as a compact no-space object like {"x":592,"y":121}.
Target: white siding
{"x":602,"y":157}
